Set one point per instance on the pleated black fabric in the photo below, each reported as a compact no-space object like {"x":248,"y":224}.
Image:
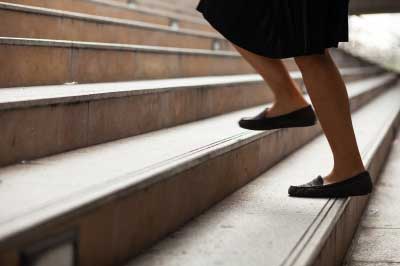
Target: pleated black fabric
{"x":279,"y":28}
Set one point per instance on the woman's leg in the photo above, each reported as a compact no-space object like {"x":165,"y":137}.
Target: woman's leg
{"x":286,"y":92}
{"x":329,"y":96}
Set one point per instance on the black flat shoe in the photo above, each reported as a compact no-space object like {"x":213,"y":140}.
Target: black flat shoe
{"x":303,"y":117}
{"x":357,"y":185}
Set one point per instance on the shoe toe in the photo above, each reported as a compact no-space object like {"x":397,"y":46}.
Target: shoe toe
{"x":241,"y":122}
{"x":293,"y":190}
{"x":245,"y":123}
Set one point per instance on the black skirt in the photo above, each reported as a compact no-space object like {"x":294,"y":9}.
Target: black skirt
{"x":279,"y":28}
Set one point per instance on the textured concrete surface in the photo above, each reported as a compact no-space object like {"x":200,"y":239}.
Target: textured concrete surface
{"x":378,"y":238}
{"x":259,"y":224}
{"x":377,"y":245}
{"x":84,"y":177}
{"x":52,"y":170}
{"x":102,"y":108}
{"x":88,"y":62}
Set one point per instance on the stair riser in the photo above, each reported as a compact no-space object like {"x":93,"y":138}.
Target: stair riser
{"x":176,"y":199}
{"x":49,"y":65}
{"x":91,"y":7}
{"x":59,"y":27}
{"x":334,"y":250}
{"x":42,"y":130}
{"x":180,"y":8}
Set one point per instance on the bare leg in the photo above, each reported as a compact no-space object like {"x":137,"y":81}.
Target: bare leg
{"x":329,"y":96}
{"x":286,"y":92}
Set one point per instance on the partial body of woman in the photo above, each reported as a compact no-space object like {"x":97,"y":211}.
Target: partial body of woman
{"x":264,"y":32}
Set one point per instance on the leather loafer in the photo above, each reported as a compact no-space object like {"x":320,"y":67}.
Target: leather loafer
{"x":357,"y":185}
{"x":303,"y":117}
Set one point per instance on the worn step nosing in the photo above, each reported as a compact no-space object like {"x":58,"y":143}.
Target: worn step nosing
{"x":128,"y":183}
{"x":105,"y":20}
{"x":112,"y":46}
{"x":17,"y":98}
{"x":312,"y":243}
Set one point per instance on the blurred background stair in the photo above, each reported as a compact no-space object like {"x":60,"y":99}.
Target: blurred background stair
{"x":119,"y":126}
{"x":121,"y":10}
{"x":48,"y":23}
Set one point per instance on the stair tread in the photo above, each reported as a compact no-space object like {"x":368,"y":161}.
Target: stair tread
{"x":16,"y":97}
{"x":259,"y":222}
{"x":32,"y":93}
{"x":59,"y":186}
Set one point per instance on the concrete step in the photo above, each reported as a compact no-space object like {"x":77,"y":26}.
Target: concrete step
{"x":62,"y":25}
{"x":53,"y":62}
{"x":134,"y":191}
{"x":376,"y":241}
{"x":36,"y":120}
{"x":58,"y":62}
{"x":261,"y":225}
{"x":121,"y":10}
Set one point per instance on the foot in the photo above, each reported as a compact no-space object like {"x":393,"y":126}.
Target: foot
{"x":302,"y":117}
{"x":356,"y":185}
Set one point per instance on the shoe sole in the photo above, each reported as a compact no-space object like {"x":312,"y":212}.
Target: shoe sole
{"x":277,"y":126}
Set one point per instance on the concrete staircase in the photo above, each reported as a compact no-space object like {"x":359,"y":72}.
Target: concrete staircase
{"x":119,"y":126}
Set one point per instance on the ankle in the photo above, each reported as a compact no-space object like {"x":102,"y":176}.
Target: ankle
{"x":290,"y":104}
{"x":338,"y":175}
